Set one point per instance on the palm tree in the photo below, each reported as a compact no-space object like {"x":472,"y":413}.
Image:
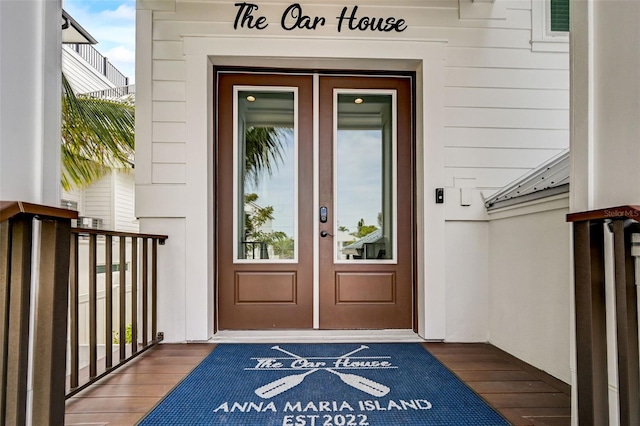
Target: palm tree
{"x":263,"y":147}
{"x":97,"y":135}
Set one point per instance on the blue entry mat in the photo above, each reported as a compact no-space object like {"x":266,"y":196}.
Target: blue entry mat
{"x":322,"y":385}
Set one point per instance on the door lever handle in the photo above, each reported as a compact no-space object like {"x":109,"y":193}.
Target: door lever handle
{"x":323,"y":234}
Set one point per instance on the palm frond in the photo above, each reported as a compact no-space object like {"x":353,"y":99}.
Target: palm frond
{"x":263,"y":151}
{"x":97,"y":135}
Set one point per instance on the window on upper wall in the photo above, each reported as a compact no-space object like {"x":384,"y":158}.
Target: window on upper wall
{"x":550,"y":25}
{"x":559,"y":16}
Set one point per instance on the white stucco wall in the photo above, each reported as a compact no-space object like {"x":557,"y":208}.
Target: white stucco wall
{"x":530,"y":285}
{"x":467,"y":281}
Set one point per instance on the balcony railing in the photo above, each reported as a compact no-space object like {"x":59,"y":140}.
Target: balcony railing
{"x":113,"y":93}
{"x":96,"y":300}
{"x":589,"y":230}
{"x":101,"y":64}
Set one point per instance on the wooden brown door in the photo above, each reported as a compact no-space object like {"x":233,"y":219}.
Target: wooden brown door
{"x":290,"y":226}
{"x":264,"y":205}
{"x":366,"y":181}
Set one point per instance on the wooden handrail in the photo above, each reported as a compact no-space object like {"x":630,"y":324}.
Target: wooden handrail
{"x":93,"y":231}
{"x":9,"y":209}
{"x":629,"y":212}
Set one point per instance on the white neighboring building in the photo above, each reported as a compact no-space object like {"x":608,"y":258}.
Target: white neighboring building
{"x":109,"y":202}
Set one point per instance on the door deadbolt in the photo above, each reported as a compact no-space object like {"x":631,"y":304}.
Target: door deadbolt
{"x":323,"y":214}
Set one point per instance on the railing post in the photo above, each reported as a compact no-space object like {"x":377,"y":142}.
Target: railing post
{"x":627,"y":326}
{"x":145,"y":293}
{"x":21,"y":231}
{"x":5,"y":256}
{"x":74,"y":297}
{"x":134,"y":295}
{"x":93,"y":307}
{"x":154,"y":289}
{"x":108,"y":301}
{"x":123,"y":299}
{"x":50,"y":340}
{"x":591,"y":336}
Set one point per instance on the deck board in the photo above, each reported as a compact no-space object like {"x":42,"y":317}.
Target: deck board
{"x":522,"y":394}
{"x":125,"y":396}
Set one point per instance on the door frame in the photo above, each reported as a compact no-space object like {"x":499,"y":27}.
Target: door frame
{"x":217,"y":70}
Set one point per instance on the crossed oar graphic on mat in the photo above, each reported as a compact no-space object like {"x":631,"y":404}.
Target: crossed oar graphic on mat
{"x":284,"y":384}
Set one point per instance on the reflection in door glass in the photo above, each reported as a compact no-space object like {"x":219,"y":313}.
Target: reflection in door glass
{"x":364,"y":177}
{"x":266,"y":175}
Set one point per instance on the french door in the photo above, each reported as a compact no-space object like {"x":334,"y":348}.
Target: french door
{"x":314,"y":208}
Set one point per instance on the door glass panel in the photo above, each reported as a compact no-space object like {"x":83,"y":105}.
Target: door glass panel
{"x":365,"y":176}
{"x":266,"y":170}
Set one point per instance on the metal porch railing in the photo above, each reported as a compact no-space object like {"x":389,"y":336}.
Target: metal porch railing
{"x":100,"y":63}
{"x":96,"y":301}
{"x":112,"y":302}
{"x":591,"y":331}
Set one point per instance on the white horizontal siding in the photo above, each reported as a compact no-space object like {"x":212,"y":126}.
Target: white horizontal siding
{"x":124,"y":201}
{"x":508,"y":118}
{"x":98,"y":201}
{"x":421,"y":14}
{"x":507,"y":78}
{"x":490,"y":177}
{"x":82,"y":76}
{"x":488,"y":57}
{"x":462,"y":36}
{"x":169,"y":111}
{"x":506,"y":138}
{"x":168,"y":90}
{"x":483,"y":97}
{"x":168,"y":50}
{"x":168,"y":173}
{"x":169,"y":153}
{"x":497,"y":157}
{"x":168,"y":132}
{"x":169,"y":70}
{"x":506,"y":107}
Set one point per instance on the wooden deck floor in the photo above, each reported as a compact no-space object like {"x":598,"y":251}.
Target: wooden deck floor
{"x":523,"y":394}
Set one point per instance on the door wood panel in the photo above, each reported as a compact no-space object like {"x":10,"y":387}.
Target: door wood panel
{"x":377,"y":294}
{"x":373,"y":294}
{"x":264,"y":295}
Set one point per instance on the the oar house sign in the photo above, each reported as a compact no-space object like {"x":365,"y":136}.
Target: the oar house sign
{"x":294,"y":18}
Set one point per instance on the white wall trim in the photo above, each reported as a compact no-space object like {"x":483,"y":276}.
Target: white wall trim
{"x":555,"y":202}
{"x":426,"y":58}
{"x":542,"y":38}
{"x":144,"y":106}
{"x":199,"y":260}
